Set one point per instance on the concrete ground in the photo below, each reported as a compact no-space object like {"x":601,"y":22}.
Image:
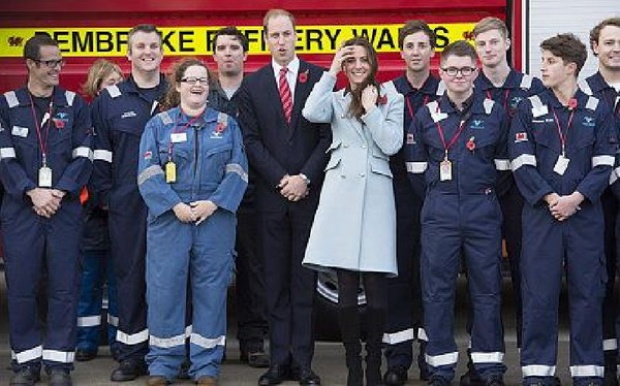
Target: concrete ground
{"x":328,"y":358}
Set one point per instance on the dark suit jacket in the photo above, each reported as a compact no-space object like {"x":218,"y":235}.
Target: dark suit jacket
{"x":276,"y":148}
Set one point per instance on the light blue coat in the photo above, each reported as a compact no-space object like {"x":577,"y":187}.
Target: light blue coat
{"x":355,"y":224}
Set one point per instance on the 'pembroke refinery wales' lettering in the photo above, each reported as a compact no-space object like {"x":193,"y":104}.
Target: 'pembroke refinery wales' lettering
{"x":319,"y":39}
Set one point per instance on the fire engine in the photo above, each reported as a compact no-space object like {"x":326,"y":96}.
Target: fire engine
{"x":88,"y":30}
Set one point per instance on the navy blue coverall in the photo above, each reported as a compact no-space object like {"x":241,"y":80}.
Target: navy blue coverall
{"x":461,"y":215}
{"x":120,"y":114}
{"x":404,"y":315}
{"x":575,"y":244}
{"x":517,"y":87}
{"x":596,"y":86}
{"x":32,"y":243}
{"x":210,"y":165}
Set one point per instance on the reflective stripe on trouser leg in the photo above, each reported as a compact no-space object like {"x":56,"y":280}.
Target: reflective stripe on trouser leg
{"x":166,"y":276}
{"x":440,"y":263}
{"x":211,"y":269}
{"x":127,"y":224}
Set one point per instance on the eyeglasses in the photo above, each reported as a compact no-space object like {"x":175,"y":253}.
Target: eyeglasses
{"x":194,"y":80}
{"x":465,"y":71}
{"x":52,"y":63}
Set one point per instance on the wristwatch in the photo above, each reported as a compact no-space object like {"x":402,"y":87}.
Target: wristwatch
{"x":305,"y":178}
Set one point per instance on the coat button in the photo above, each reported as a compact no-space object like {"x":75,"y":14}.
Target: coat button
{"x":362,"y":175}
{"x":363,"y":146}
{"x":346,"y":145}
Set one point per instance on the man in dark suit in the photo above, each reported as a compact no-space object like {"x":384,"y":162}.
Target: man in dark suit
{"x":288,"y":152}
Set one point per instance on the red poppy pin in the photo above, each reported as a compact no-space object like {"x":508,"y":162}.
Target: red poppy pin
{"x":219,"y":129}
{"x":303,"y":77}
{"x":471,"y":145}
{"x":381,"y":100}
{"x":59,"y":123}
{"x":572,"y":103}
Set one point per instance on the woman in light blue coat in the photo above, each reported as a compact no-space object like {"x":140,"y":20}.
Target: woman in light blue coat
{"x":354,"y":230}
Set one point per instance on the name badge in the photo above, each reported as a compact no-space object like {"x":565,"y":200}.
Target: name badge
{"x":45,"y":177}
{"x":561,"y":164}
{"x":171,"y":172}
{"x":445,"y":170}
{"x":178,"y":137}
{"x":20,"y":131}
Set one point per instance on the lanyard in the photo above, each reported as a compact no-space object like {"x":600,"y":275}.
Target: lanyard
{"x":447,"y":147}
{"x":46,"y":117}
{"x":506,"y":96}
{"x":410,"y":108}
{"x":563,"y":136}
{"x":175,"y":131}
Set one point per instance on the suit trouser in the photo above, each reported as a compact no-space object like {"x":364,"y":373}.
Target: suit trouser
{"x":127,"y":224}
{"x":404,"y":313}
{"x":203,"y":255}
{"x":452,"y":225}
{"x":250,"y":283}
{"x":33,"y":244}
{"x":549,"y":248}
{"x":289,"y":286}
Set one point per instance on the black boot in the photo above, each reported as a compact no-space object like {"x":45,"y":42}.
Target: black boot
{"x":349,"y":320}
{"x":375,"y":325}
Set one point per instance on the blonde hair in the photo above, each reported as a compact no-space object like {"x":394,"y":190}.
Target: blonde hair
{"x":100,"y":70}
{"x":490,"y":23}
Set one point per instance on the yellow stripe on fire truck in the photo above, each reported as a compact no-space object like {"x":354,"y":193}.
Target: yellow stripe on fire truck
{"x":187,"y":40}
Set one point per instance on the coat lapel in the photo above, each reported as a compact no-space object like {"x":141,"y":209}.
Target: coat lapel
{"x":302,"y":90}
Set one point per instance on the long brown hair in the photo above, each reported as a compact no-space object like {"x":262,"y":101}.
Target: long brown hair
{"x":177,"y":70}
{"x":355,"y":108}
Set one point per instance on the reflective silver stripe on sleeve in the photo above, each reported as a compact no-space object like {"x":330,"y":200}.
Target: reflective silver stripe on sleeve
{"x":7,"y":152}
{"x":83,"y":151}
{"x":502,"y":164}
{"x":523,"y":159}
{"x":605,"y":160}
{"x":70,"y":96}
{"x":538,"y":108}
{"x":149,"y":172}
{"x":102,"y":155}
{"x":417,"y":167}
{"x":237,"y":169}
{"x":11,"y":99}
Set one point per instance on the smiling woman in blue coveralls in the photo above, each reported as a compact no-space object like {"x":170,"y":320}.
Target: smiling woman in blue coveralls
{"x":192,"y":174}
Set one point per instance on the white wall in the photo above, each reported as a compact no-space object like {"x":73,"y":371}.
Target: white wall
{"x":550,"y":17}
